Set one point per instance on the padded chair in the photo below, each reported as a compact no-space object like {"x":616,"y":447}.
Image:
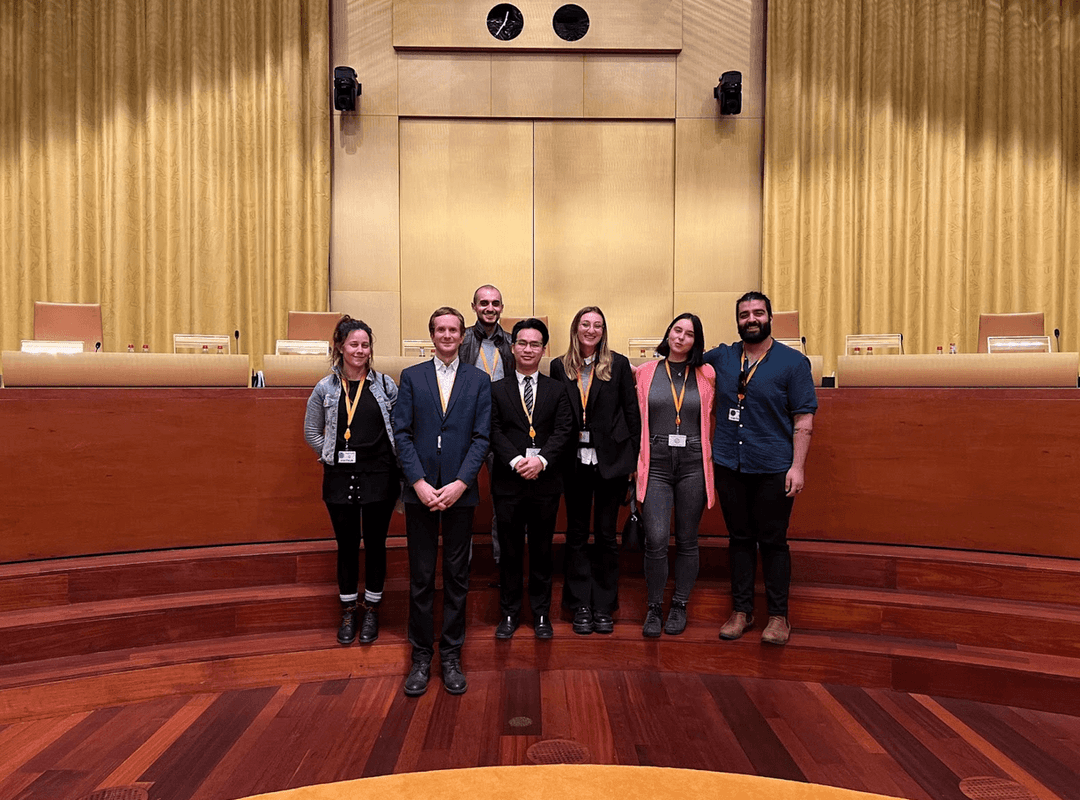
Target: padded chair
{"x":1026,"y":324}
{"x":313,"y":325}
{"x":785,"y":327}
{"x":69,"y":322}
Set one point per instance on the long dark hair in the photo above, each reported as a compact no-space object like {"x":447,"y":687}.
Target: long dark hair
{"x":696,"y":356}
{"x":344,"y":327}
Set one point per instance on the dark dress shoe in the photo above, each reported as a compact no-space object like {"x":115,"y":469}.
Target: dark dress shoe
{"x":506,"y":628}
{"x":583,"y":621}
{"x":543,"y":627}
{"x":369,"y":628}
{"x":602,"y":623}
{"x":416,"y":683}
{"x":347,"y":632}
{"x":452,"y":676}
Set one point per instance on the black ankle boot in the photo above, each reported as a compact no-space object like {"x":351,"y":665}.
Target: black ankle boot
{"x":347,"y":632}
{"x":369,"y":628}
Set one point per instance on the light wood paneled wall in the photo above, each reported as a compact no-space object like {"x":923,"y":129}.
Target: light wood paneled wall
{"x":466,"y":216}
{"x":604,"y":209}
{"x":613,"y":25}
{"x":717,"y":204}
{"x":364,"y":242}
{"x":538,"y":85}
{"x":643,"y":199}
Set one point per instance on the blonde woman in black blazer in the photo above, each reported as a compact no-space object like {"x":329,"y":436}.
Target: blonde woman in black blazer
{"x":607,"y":430}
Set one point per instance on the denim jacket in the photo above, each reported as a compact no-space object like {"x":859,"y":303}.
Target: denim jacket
{"x":320,"y":421}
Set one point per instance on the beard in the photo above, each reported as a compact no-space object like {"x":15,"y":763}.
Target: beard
{"x":758,"y":334}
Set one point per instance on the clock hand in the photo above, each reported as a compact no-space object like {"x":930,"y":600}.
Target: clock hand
{"x":500,"y":30}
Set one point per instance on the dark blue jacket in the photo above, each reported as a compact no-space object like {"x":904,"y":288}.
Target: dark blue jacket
{"x":419,"y":423}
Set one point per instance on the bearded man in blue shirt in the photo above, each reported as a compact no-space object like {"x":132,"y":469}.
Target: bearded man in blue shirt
{"x":765,"y":405}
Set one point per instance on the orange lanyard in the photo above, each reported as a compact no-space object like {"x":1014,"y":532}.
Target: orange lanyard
{"x":350,"y":407}
{"x":489,"y":368}
{"x":583,"y":390}
{"x":744,"y":382}
{"x":678,"y":400}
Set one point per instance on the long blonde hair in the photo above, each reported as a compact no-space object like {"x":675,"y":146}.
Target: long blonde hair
{"x":574,"y":361}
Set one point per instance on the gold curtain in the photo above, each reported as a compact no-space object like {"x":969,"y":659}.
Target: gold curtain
{"x":922,"y":165}
{"x":170,"y":160}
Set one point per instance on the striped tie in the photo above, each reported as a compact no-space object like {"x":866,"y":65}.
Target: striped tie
{"x":528,"y":394}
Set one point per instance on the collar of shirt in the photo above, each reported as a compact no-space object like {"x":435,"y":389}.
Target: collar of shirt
{"x":521,"y":380}
{"x":590,"y":359}
{"x":446,"y":369}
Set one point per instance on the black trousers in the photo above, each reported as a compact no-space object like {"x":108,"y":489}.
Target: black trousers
{"x":352,"y":523}
{"x":756,"y":512}
{"x":592,"y":573}
{"x":422,"y":533}
{"x":517,"y":517}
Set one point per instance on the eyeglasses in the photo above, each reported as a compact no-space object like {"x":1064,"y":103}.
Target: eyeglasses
{"x":529,"y":345}
{"x":596,"y":326}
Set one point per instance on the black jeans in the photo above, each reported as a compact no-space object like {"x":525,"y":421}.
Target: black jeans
{"x":592,"y":573}
{"x":368,"y":522}
{"x":676,"y":481}
{"x":422,"y":531}
{"x":756,"y":512}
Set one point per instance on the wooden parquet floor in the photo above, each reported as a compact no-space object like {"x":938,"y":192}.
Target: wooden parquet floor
{"x":230,"y":744}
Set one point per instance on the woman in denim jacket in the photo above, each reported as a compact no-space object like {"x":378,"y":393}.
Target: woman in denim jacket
{"x":351,"y":433}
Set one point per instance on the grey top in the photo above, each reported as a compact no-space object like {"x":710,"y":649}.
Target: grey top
{"x":662,"y":405}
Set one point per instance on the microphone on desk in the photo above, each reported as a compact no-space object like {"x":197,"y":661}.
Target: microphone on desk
{"x":97,"y":347}
{"x":236,"y":335}
{"x":1057,"y":338}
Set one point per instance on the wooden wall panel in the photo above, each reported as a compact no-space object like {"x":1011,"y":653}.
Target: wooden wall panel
{"x":718,"y":37}
{"x":718,"y":168}
{"x":380,"y":310}
{"x":604,"y":224}
{"x":635,"y":85}
{"x":361,"y":37}
{"x":537,"y":85}
{"x":466,"y":216}
{"x":614,"y":24}
{"x":144,"y":469}
{"x":364,"y":222}
{"x":974,"y":469}
{"x":444,"y":84}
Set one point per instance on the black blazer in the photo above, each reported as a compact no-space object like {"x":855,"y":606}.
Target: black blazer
{"x":554,"y":424}
{"x":614,"y":420}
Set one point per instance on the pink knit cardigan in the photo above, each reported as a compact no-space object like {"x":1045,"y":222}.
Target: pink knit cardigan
{"x":706,"y":384}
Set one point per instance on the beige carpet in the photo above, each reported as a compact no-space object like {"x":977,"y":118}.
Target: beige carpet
{"x":566,"y":781}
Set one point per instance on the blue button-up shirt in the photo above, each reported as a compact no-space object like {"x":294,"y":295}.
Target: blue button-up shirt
{"x":760,"y":440}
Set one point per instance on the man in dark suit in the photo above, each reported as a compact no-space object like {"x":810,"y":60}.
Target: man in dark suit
{"x":531,"y":429}
{"x":441,"y":424}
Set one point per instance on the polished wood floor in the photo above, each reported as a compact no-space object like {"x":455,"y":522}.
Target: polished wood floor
{"x":214,"y":674}
{"x":230,"y":744}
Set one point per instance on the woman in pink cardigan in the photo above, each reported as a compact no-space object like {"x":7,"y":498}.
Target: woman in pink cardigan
{"x":674,"y":470}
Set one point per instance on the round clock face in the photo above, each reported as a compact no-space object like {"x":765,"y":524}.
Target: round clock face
{"x":570,"y":23}
{"x":505,"y":22}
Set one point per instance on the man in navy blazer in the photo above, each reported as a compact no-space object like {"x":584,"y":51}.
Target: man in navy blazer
{"x":531,"y":429}
{"x":441,"y":425}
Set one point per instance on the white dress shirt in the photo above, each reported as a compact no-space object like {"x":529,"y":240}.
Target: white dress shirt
{"x":536,"y":396}
{"x":446,"y":373}
{"x":587,"y":455}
